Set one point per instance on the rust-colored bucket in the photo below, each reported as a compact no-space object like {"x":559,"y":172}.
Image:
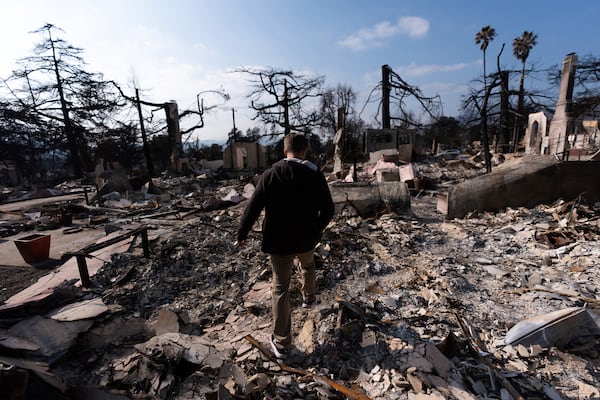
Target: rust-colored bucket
{"x":34,"y":248}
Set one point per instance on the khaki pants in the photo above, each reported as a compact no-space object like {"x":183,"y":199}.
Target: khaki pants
{"x":280,"y":296}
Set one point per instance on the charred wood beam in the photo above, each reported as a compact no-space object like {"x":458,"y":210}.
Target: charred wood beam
{"x":85,"y":252}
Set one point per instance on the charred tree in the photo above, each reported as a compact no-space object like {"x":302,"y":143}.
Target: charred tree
{"x":172,"y":117}
{"x":396,"y":91}
{"x":53,"y":85}
{"x":282,"y":99}
{"x":149,"y":163}
{"x":332,"y":100}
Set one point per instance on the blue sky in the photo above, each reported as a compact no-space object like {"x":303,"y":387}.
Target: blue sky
{"x":176,"y":49}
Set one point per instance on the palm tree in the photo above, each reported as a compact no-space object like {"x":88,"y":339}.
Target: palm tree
{"x":483,"y":38}
{"x":521,"y":48}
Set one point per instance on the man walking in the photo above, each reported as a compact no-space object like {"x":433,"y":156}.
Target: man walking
{"x":298,"y":207}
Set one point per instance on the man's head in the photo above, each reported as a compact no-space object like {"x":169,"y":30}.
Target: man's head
{"x":295,"y":145}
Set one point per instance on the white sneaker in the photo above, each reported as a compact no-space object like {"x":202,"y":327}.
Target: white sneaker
{"x":279,"y":351}
{"x":308,"y":303}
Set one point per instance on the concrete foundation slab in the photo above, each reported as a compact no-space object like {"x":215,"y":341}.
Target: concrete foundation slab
{"x":369,"y":197}
{"x":524,"y":182}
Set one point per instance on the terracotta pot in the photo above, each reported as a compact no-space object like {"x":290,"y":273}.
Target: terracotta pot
{"x":34,"y":248}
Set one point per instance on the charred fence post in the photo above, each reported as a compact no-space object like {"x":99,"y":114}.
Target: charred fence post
{"x":83,"y":271}
{"x":145,"y":245}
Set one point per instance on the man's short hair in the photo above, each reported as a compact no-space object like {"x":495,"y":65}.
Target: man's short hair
{"x":295,"y":143}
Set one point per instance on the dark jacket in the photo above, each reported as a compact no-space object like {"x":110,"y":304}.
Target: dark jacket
{"x":297,"y":205}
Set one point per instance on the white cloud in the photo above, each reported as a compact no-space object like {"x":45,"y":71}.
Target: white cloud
{"x":365,"y":38}
{"x":416,"y":70}
{"x":413,"y":26}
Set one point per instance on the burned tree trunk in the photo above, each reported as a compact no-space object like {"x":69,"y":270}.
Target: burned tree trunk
{"x":149,"y":163}
{"x":338,"y":141}
{"x":504,"y":128}
{"x":174,"y":134}
{"x":385,"y":102}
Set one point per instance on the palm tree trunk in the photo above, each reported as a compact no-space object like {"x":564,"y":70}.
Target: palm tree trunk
{"x":519,"y":117}
{"x":484,"y":74}
{"x":484,"y":128}
{"x":521,"y":92}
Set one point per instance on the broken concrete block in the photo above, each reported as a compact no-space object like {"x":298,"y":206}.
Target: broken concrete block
{"x":439,"y":361}
{"x":368,"y":198}
{"x":510,"y":186}
{"x":459,"y":391}
{"x":166,"y":322}
{"x":587,"y":391}
{"x":387,"y":175}
{"x":395,"y":195}
{"x":364,"y":197}
{"x":407,"y":172}
{"x":369,"y":342}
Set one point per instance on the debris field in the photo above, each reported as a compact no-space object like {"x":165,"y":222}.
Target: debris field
{"x":409,"y":306}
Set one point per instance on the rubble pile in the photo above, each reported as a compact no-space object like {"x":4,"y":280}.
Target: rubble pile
{"x":449,"y":171}
{"x":409,"y":306}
